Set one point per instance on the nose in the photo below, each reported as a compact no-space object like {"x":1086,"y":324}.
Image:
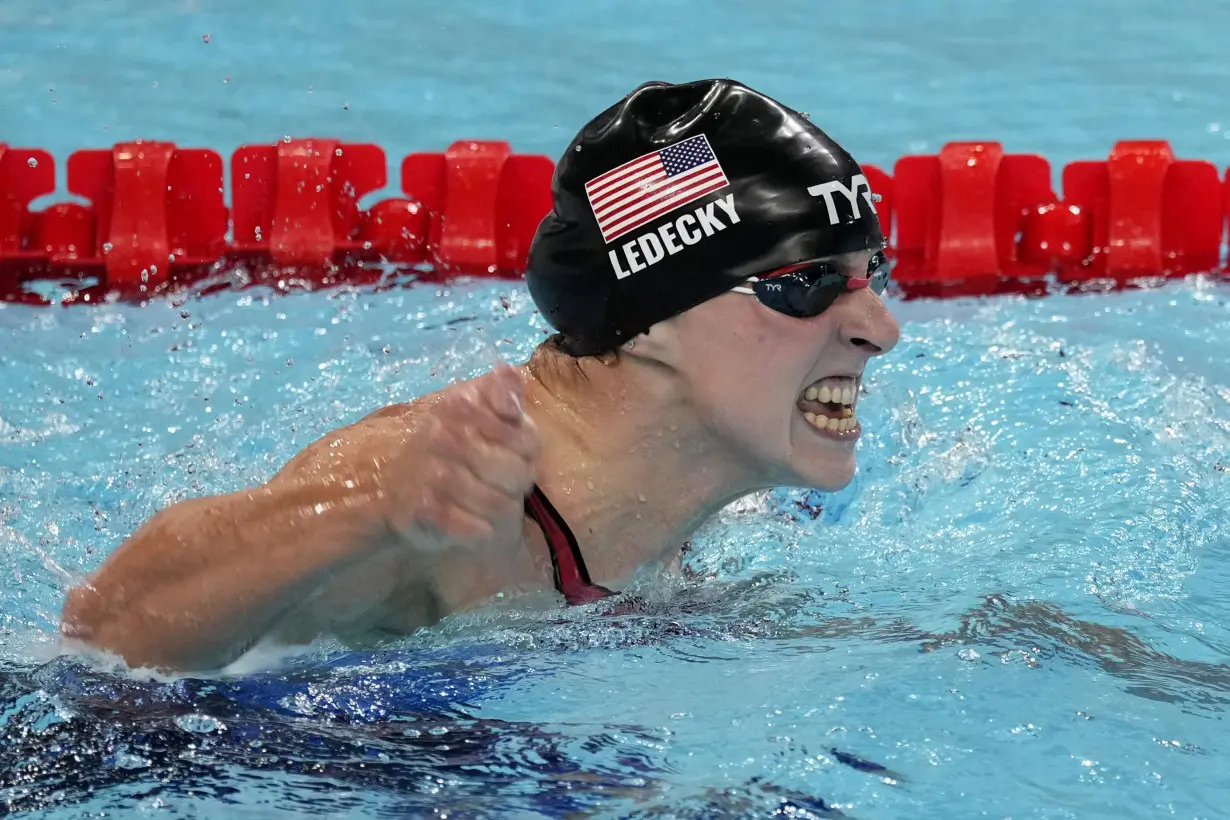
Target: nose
{"x":868,"y":324}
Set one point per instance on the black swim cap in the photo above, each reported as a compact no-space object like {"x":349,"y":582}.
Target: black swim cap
{"x":678,"y":193}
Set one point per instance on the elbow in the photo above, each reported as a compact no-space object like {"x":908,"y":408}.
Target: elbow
{"x":88,"y":625}
{"x":82,"y":615}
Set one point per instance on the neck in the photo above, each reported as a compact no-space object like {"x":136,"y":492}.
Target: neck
{"x":630,"y":469}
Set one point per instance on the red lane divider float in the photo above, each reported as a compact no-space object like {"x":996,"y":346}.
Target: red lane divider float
{"x":970,"y":219}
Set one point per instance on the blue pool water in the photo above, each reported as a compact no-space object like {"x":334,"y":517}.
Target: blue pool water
{"x":1018,"y":608}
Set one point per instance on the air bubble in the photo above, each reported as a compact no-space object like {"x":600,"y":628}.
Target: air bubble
{"x":32,"y":162}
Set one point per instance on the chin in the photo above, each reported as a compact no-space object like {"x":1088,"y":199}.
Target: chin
{"x":826,"y":474}
{"x":833,"y":483}
{"x":822,"y":465}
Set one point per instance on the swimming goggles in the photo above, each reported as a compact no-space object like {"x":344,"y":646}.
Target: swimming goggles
{"x":810,"y":288}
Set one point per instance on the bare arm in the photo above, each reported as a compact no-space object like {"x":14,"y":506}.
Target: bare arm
{"x":333,"y":543}
{"x":204,"y":579}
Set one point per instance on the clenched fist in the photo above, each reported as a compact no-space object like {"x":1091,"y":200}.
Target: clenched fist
{"x":472,"y":465}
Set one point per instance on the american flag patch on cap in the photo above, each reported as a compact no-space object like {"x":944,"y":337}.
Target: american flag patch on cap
{"x":639,"y":191}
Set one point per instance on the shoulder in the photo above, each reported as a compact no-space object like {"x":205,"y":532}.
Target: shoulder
{"x":373,"y":437}
{"x":368,"y":441}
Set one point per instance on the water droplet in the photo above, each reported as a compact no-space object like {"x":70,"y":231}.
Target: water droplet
{"x":127,"y":760}
{"x":107,"y":246}
{"x":200,"y":724}
{"x":589,"y":484}
{"x":345,"y":106}
{"x":311,"y":89}
{"x":32,"y":162}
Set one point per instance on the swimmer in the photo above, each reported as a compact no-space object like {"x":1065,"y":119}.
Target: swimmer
{"x":712,"y":266}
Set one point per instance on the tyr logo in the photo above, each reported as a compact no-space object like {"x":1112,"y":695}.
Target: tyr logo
{"x":827,"y":189}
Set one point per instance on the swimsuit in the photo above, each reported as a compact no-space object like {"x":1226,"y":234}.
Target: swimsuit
{"x":571,"y":576}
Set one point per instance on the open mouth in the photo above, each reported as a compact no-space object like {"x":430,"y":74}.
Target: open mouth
{"x":828,"y":405}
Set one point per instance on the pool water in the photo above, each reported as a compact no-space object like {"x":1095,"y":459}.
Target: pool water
{"x":1017,"y":609}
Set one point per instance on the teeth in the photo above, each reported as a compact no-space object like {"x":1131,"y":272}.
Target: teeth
{"x":842,"y":425}
{"x":841,"y":394}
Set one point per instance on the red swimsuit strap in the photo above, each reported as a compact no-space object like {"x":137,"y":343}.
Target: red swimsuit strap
{"x":571,"y":576}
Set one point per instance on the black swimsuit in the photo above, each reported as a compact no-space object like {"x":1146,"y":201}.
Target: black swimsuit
{"x":571,"y":576}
